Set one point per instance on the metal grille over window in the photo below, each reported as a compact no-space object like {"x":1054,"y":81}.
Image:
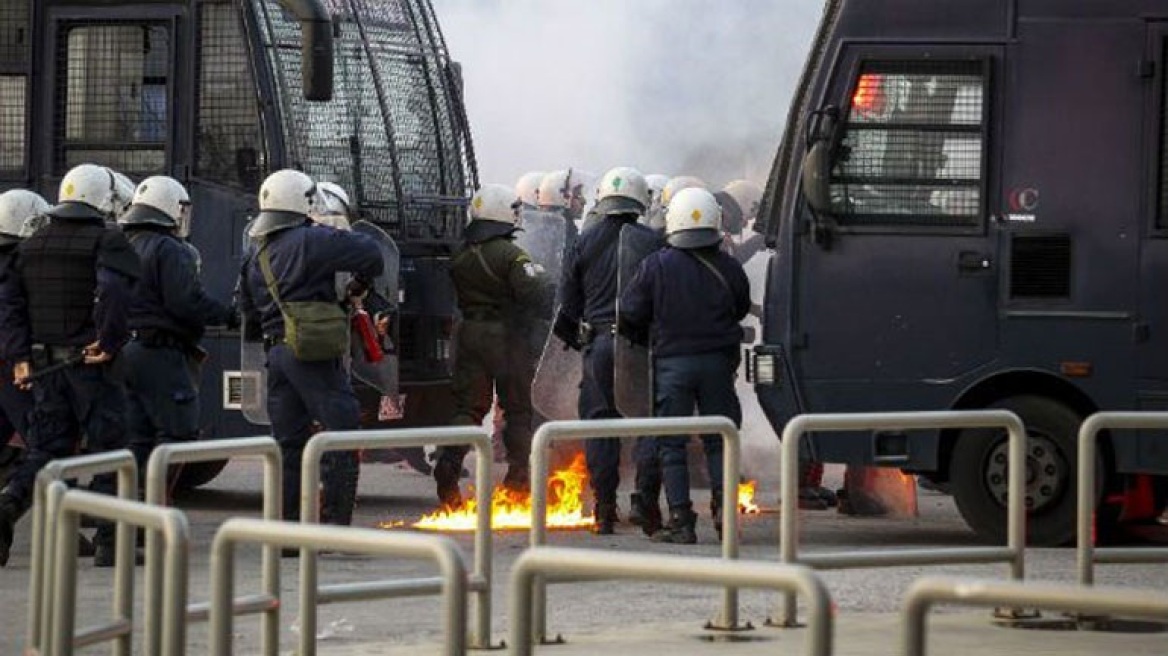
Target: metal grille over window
{"x":389,"y":135}
{"x":913,"y":146}
{"x":1163,"y":217}
{"x":15,"y":35}
{"x":113,"y":107}
{"x":15,"y":46}
{"x":229,"y":137}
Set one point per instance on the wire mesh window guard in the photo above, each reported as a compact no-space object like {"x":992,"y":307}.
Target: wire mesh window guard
{"x":229,"y":139}
{"x":113,"y":97}
{"x":913,"y":146}
{"x":15,"y":48}
{"x":1162,"y":218}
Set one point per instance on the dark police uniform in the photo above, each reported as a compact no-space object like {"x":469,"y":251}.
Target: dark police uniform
{"x":499,"y":289}
{"x":75,"y":276}
{"x":695,"y":317}
{"x":168,"y":315}
{"x":305,"y":259}
{"x":15,"y":403}
{"x":588,"y":293}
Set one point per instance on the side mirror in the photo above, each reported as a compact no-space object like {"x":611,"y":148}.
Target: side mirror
{"x":316,"y":45}
{"x":816,"y":177}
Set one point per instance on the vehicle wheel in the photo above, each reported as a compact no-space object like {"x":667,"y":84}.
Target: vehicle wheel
{"x":978,"y":473}
{"x":195,"y":474}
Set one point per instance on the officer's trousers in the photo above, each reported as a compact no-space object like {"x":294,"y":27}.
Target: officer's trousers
{"x":80,"y":400}
{"x":162,"y":397}
{"x":298,"y":394}
{"x":683,"y":383}
{"x":597,"y":401}
{"x":485,"y":364}
{"x":15,"y":414}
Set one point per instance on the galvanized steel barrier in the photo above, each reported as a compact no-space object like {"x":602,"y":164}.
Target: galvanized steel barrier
{"x":66,"y":507}
{"x":556,"y":431}
{"x":541,"y":564}
{"x":480,"y":579}
{"x":929,"y":591}
{"x":267,"y":602}
{"x":453,"y":580}
{"x":41,"y":569}
{"x":1013,"y":553}
{"x":1087,"y":555}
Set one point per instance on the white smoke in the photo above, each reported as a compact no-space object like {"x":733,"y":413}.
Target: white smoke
{"x":695,"y":87}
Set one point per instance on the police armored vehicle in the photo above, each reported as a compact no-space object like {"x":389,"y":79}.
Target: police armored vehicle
{"x":969,"y":209}
{"x":218,"y":93}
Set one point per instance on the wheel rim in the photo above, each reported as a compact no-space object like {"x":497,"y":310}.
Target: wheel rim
{"x":1047,"y":472}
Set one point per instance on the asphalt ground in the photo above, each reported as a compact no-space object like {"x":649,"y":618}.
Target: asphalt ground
{"x":614,"y":617}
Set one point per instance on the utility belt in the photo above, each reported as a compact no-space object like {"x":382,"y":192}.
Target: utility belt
{"x":155,"y":338}
{"x":590,"y":331}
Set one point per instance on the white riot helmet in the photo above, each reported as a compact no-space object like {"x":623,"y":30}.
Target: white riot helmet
{"x":22,"y":212}
{"x":527,"y":188}
{"x":622,"y":191}
{"x":693,"y":220}
{"x":677,"y":184}
{"x":554,"y":190}
{"x":98,"y":187}
{"x":287,"y":197}
{"x":333,"y":207}
{"x":494,"y":202}
{"x":158,"y":201}
{"x":656,"y":183}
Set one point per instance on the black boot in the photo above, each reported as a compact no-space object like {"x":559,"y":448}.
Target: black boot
{"x":606,"y":518}
{"x":10,"y":512}
{"x":104,"y":553}
{"x":644,"y":511}
{"x":680,"y":529}
{"x":446,"y":474}
{"x":716,"y":515}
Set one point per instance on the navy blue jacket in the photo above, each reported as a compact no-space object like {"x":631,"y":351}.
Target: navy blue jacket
{"x":169,"y":296}
{"x":687,"y":307}
{"x":588,"y":287}
{"x":15,"y":343}
{"x":305,"y":262}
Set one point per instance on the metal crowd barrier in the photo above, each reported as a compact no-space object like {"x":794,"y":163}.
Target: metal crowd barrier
{"x":1087,"y":555}
{"x":480,"y":579}
{"x":929,"y":591}
{"x":541,"y":564}
{"x":453,"y":580}
{"x":267,"y":602}
{"x":66,"y":507}
{"x":556,"y":431}
{"x":1013,"y":553}
{"x":41,"y":570}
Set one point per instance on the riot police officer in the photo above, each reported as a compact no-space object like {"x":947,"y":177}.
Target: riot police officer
{"x":693,"y":296}
{"x":76,"y":275}
{"x":168,"y":315}
{"x":586,"y":320}
{"x":497,"y":285}
{"x":287,"y":286}
{"x":20,"y":212}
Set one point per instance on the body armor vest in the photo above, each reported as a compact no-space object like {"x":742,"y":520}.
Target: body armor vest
{"x":59,"y":267}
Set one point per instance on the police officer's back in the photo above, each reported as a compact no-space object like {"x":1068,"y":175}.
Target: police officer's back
{"x":498,"y":288}
{"x":76,"y":275}
{"x":692,"y":296}
{"x":291,"y":275}
{"x":168,"y":316}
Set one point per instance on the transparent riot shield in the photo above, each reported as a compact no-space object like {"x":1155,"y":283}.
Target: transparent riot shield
{"x":543,"y":236}
{"x":632,"y":362}
{"x":374,"y":359}
{"x":253,"y":360}
{"x":555,"y":389}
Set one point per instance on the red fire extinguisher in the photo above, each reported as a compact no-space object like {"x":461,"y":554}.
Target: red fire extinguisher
{"x":362,"y":325}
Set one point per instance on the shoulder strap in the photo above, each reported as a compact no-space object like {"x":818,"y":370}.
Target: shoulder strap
{"x":713,"y":269}
{"x":478,"y":251}
{"x":269,"y":277}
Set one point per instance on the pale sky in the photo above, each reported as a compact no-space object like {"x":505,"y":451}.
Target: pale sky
{"x":696,"y":87}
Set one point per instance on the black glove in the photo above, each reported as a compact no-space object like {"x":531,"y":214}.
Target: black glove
{"x":568,"y":330}
{"x":638,"y":335}
{"x":356,"y":288}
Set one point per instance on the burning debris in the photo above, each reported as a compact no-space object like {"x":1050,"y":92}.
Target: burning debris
{"x":746,"y":504}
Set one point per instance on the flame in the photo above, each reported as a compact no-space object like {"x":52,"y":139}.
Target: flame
{"x":511,"y":510}
{"x":746,"y":504}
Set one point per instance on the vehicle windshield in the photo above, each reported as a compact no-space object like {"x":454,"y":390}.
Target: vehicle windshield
{"x":393,"y":133}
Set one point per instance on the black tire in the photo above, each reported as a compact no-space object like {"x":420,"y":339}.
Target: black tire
{"x":196,"y":474}
{"x":977,"y":470}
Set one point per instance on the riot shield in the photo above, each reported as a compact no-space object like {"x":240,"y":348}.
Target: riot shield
{"x":543,"y":236}
{"x":555,"y":389}
{"x":632,"y":363}
{"x":374,"y":356}
{"x":253,"y":370}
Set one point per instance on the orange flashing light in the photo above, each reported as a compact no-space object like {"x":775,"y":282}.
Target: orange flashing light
{"x":869,"y":96}
{"x":1076,"y":369}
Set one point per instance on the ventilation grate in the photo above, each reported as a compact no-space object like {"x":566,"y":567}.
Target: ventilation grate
{"x":1040,"y":267}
